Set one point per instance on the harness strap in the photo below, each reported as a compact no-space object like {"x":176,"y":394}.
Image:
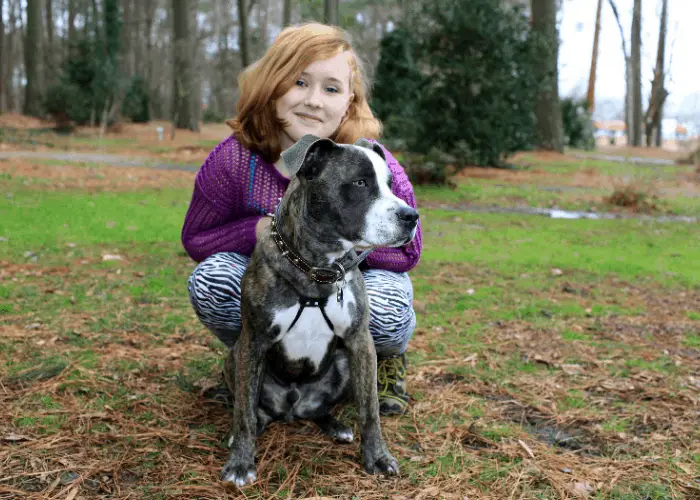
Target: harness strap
{"x":305,"y":302}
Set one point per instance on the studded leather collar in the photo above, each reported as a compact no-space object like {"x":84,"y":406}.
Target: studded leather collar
{"x":325,"y":275}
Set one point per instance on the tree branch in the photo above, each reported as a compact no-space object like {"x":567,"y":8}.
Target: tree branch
{"x":619,"y":25}
{"x":249,"y":8}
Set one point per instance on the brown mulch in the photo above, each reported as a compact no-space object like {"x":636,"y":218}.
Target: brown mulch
{"x":93,"y":178}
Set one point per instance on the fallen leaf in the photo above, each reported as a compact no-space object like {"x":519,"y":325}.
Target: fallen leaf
{"x":13,"y":438}
{"x":583,"y":489}
{"x":526,"y":448}
{"x":572,"y":369}
{"x":73,"y":493}
{"x":691,"y":471}
{"x":108,"y":257}
{"x":432,"y":492}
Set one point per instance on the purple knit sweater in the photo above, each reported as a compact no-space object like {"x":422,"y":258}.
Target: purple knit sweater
{"x":235,"y":188}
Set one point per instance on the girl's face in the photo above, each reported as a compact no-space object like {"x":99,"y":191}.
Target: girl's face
{"x":318,"y":101}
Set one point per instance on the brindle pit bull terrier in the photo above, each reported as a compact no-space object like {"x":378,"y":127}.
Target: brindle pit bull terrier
{"x":305,"y":344}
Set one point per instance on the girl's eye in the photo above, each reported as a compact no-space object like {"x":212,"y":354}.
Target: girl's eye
{"x":332,"y":90}
{"x":300,"y":83}
{"x":360,"y":183}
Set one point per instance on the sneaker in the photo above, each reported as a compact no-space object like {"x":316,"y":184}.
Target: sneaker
{"x":391,"y":385}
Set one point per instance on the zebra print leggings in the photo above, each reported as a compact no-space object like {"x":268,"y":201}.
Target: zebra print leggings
{"x":215,"y":293}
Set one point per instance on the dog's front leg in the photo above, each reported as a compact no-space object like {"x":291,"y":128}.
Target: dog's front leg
{"x":248,"y":356}
{"x":363,"y":373}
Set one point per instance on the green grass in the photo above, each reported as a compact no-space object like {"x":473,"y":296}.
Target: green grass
{"x":558,"y":192}
{"x":486,"y":283}
{"x":629,"y":249}
{"x":40,"y":221}
{"x":693,"y":340}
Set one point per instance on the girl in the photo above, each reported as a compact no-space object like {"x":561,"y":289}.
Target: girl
{"x":309,"y":81}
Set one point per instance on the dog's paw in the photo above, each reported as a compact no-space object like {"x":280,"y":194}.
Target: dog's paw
{"x":381,"y":463}
{"x":238,"y":471}
{"x":343,"y":435}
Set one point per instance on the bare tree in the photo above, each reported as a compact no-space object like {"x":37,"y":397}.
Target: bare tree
{"x":3,"y":59}
{"x":263,"y":19}
{"x":550,"y":134}
{"x":628,"y":72}
{"x":636,"y":70}
{"x":243,"y":37}
{"x":71,"y":22}
{"x":11,"y":51}
{"x":330,"y":12}
{"x":184,"y":114}
{"x":594,"y":60}
{"x":32,"y":54}
{"x":287,"y":13}
{"x":652,"y":118}
{"x":49,"y":47}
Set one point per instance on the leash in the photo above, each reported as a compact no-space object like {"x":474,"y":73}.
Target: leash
{"x":325,"y":275}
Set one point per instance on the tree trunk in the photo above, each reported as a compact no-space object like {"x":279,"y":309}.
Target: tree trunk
{"x":127,"y":58}
{"x":652,"y":118}
{"x":636,"y":56}
{"x":330,"y":12}
{"x":3,"y":59}
{"x":550,"y":134}
{"x":149,"y":9}
{"x":49,"y":49}
{"x":243,"y":39}
{"x":32,"y":47}
{"x":11,"y":96}
{"x":71,"y":22}
{"x":184,"y":91}
{"x":263,"y":10}
{"x":594,"y":60}
{"x":287,"y":13}
{"x":628,"y":73}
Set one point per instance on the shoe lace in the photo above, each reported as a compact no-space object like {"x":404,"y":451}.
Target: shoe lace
{"x":389,"y":372}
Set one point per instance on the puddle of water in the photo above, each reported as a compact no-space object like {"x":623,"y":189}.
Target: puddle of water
{"x":565,"y":214}
{"x":556,"y":213}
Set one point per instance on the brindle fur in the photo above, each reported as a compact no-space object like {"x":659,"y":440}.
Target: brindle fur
{"x":265,"y":385}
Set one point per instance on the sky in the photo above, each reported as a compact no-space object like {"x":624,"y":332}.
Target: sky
{"x":576,"y":31}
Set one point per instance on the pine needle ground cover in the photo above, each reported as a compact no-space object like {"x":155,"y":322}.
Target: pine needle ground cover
{"x":552,"y":358}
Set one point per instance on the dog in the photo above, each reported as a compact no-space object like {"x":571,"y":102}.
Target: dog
{"x":305,"y":344}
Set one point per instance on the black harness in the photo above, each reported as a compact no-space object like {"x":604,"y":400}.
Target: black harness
{"x":305,"y":302}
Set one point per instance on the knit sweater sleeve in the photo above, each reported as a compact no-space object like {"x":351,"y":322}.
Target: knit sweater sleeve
{"x":216,"y":221}
{"x":405,"y":258}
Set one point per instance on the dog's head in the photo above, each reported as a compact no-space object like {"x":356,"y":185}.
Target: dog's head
{"x":348,"y":188}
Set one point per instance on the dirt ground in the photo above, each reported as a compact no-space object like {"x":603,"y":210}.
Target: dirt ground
{"x":529,"y":407}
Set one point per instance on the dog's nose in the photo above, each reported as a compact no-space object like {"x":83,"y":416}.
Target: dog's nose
{"x":407,"y":214}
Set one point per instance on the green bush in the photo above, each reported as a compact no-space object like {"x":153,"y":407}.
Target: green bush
{"x":460,"y":78}
{"x":396,"y":91}
{"x":88,"y":81}
{"x":578,"y":127}
{"x":66,"y":103}
{"x":212,"y":115}
{"x":135,"y":106}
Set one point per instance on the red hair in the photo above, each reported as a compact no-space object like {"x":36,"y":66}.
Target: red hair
{"x":256,"y":124}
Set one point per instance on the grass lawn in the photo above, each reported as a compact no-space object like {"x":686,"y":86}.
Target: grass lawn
{"x":552,"y":358}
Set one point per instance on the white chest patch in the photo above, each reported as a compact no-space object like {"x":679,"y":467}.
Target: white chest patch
{"x":310,"y":336}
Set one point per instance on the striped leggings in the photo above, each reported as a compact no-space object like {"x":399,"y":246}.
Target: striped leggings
{"x":215,"y":293}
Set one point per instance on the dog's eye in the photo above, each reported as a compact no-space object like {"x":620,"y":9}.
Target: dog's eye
{"x":360,"y":183}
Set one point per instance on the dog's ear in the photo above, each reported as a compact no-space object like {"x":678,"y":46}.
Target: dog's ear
{"x":304,"y":157}
{"x":364,"y":143}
